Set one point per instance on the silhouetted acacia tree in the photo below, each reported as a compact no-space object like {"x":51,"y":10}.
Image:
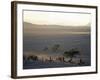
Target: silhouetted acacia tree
{"x":71,"y":53}
{"x":55,"y":47}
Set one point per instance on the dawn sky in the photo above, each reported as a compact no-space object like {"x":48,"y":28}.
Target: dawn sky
{"x":54,"y":18}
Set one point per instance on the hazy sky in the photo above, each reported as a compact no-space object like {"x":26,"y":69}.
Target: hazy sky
{"x":55,"y":18}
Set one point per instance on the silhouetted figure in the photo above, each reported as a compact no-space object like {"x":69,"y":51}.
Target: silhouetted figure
{"x":63,"y":59}
{"x":50,"y":59}
{"x":81,"y":62}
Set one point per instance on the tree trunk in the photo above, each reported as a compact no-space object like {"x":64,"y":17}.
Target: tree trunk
{"x":70,"y":60}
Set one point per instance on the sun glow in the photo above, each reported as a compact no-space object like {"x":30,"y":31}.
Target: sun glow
{"x":57,"y":18}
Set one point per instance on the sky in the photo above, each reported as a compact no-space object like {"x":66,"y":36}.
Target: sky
{"x":57,"y":18}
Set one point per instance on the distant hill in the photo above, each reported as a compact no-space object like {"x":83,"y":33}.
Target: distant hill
{"x":34,"y":28}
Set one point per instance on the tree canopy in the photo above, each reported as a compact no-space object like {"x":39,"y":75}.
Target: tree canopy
{"x":55,"y":47}
{"x":71,"y":53}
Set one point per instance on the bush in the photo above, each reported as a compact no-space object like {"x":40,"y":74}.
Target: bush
{"x":33,"y":57}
